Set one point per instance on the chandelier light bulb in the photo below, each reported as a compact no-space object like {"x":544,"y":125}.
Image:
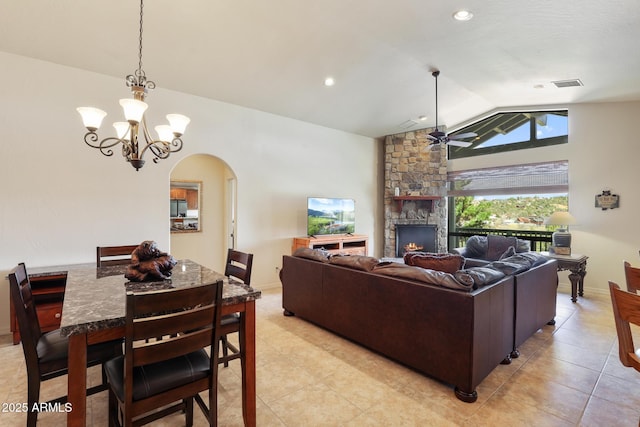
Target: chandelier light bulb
{"x":91,"y":117}
{"x":178,"y":123}
{"x":133,"y":109}
{"x":165,"y":133}
{"x":122,"y":129}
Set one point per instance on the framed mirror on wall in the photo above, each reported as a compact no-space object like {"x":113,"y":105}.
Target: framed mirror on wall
{"x":185,"y":206}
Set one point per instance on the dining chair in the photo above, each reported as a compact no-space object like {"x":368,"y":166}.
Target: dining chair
{"x":238,"y":267}
{"x":155,"y":378}
{"x":114,"y":255}
{"x":632,"y":276}
{"x":46,"y":354}
{"x":626,"y":311}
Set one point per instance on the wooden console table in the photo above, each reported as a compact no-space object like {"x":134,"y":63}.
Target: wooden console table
{"x":577,"y":265}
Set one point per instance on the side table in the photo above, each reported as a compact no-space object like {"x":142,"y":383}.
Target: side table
{"x":577,"y":265}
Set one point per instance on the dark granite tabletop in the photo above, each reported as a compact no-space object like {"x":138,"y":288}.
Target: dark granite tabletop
{"x":94,"y":297}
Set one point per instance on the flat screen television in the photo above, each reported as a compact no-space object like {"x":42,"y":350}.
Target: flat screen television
{"x":330,"y":216}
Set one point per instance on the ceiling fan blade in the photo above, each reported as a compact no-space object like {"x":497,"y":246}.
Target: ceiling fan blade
{"x":455,"y":143}
{"x":464,"y":135}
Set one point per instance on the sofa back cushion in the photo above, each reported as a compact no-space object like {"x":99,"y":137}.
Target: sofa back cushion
{"x":449,"y":263}
{"x":433,"y":277}
{"x":314,"y":254}
{"x":476,"y":247}
{"x":359,"y":262}
{"x":499,"y":245}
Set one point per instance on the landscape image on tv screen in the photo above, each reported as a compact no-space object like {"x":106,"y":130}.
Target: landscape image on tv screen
{"x":330,"y":216}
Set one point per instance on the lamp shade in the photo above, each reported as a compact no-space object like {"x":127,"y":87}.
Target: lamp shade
{"x":91,"y":117}
{"x":164,"y":133}
{"x":133,"y":109}
{"x":178,"y":123}
{"x":122,"y":129}
{"x":560,"y":218}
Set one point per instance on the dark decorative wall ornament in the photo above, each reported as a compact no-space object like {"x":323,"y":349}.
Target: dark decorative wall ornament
{"x":606,"y":200}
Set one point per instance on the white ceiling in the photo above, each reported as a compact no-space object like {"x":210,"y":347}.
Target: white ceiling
{"x":274,"y":55}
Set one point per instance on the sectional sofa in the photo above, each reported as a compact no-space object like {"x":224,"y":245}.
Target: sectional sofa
{"x":455,"y":328}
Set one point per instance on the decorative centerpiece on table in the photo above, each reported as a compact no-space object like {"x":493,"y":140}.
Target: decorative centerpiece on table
{"x":148,"y":263}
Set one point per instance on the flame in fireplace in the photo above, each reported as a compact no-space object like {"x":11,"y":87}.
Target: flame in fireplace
{"x":412,"y":246}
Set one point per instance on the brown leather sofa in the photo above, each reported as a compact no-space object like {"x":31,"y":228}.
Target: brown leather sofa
{"x":455,"y":336}
{"x":536,"y":293}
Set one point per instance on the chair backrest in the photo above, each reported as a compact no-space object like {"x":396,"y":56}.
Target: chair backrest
{"x":20,"y":289}
{"x":626,"y":311}
{"x":114,"y":255}
{"x":632,"y":275}
{"x":187,"y":319}
{"x":239,"y":265}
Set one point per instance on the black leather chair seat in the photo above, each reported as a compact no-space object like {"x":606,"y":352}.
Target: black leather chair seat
{"x":53,"y":350}
{"x":156,"y":378}
{"x":230,"y":319}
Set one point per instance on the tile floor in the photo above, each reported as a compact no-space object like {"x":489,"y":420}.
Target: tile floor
{"x":568,"y":375}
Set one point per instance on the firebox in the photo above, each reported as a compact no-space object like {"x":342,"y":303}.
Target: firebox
{"x":415,"y":237}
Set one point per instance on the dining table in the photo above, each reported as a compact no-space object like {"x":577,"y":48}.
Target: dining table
{"x":94,"y":311}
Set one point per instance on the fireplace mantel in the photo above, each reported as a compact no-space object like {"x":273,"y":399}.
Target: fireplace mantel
{"x":402,"y":199}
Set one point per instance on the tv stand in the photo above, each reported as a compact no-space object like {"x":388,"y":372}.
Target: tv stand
{"x":345,"y":244}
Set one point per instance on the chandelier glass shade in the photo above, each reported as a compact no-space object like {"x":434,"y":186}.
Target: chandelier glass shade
{"x":133,"y":133}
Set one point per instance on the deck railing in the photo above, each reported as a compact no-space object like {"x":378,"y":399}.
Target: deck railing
{"x":540,"y":240}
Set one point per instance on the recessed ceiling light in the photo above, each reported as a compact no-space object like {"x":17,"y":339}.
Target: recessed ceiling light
{"x":422,"y":118}
{"x":462,"y":15}
{"x":329,"y":81}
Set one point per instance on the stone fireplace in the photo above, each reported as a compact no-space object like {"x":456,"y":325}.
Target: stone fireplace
{"x":415,"y":180}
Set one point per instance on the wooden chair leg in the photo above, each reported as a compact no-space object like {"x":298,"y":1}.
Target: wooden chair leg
{"x":225,"y":350}
{"x":33,"y":396}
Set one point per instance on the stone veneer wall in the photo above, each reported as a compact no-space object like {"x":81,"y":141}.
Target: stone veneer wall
{"x":417,"y":169}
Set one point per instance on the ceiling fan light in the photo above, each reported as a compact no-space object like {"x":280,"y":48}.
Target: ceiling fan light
{"x":91,"y":117}
{"x":178,"y":123}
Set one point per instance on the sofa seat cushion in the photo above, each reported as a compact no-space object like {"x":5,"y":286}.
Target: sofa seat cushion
{"x":424,"y":275}
{"x":359,"y":262}
{"x":477,"y":277}
{"x":449,"y":263}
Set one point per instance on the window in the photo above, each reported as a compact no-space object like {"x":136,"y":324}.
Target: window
{"x":517,"y":197}
{"x":513,"y":131}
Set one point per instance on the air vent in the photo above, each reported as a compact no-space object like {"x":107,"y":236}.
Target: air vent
{"x":408,"y":124}
{"x":568,"y":83}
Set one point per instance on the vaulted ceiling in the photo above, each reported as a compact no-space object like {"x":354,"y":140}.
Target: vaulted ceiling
{"x":274,"y":55}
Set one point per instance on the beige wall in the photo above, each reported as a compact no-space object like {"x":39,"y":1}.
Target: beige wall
{"x":61,"y":198}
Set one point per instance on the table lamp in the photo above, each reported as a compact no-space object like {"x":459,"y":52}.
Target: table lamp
{"x":561,"y":238}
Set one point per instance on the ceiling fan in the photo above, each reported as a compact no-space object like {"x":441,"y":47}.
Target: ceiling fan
{"x":438,"y":136}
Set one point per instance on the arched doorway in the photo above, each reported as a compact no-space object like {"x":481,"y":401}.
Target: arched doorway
{"x":217,"y":211}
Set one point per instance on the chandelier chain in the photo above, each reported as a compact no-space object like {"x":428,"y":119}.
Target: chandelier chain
{"x":140,"y":72}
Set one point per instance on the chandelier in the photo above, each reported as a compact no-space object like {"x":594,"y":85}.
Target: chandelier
{"x":133,"y":133}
